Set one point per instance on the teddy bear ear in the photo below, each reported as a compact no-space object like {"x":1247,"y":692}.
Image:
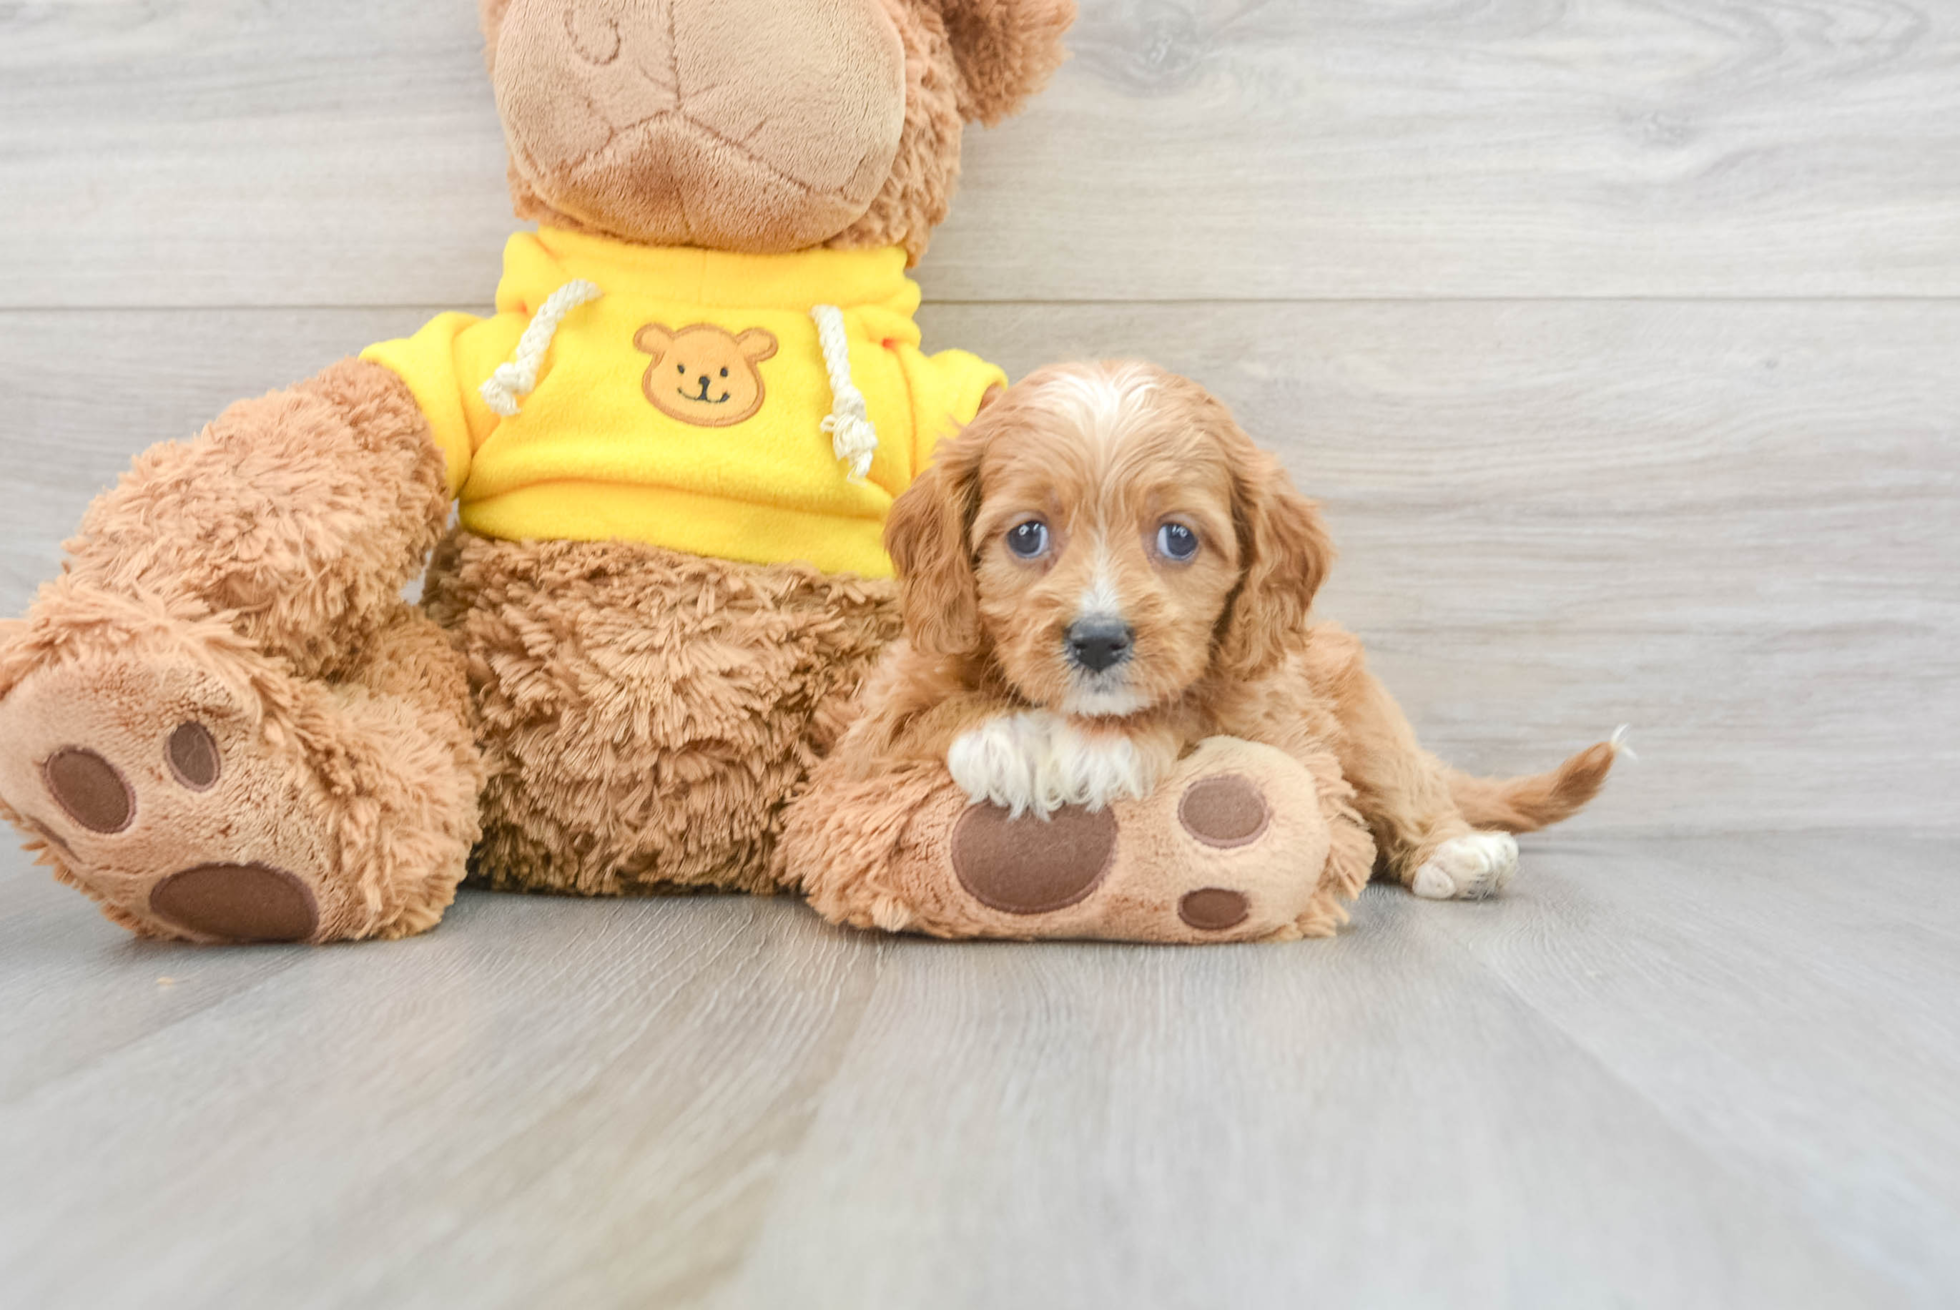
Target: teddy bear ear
{"x":1006,"y":50}
{"x":493,"y":21}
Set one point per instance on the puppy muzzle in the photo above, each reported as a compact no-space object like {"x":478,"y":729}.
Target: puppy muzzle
{"x":1099,"y":645}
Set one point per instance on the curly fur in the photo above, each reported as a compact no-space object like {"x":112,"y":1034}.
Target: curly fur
{"x":646,"y":715}
{"x":334,"y":481}
{"x":1102,"y":457}
{"x":1008,"y":49}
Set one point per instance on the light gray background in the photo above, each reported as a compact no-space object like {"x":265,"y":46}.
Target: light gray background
{"x":1621,"y":340}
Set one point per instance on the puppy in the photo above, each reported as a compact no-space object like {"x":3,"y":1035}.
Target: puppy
{"x":1101,"y":571}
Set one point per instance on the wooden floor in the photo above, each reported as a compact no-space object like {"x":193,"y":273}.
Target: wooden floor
{"x":1621,"y":341}
{"x":1694,"y":1072}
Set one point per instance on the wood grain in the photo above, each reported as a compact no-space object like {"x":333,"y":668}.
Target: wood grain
{"x":606,"y":1102}
{"x":1194,"y":149}
{"x":1820,"y":973}
{"x":1729,"y":525}
{"x":1658,"y":1073}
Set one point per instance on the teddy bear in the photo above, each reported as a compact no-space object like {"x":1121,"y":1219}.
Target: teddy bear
{"x":1240,"y":842}
{"x":670,"y":451}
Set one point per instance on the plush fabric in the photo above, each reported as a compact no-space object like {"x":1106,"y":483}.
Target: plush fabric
{"x":300,"y":515}
{"x":961,"y":60}
{"x":645,"y":715}
{"x":763,"y":125}
{"x":223,"y":724}
{"x":616,"y":441}
{"x":351,"y":798}
{"x":905,"y":851}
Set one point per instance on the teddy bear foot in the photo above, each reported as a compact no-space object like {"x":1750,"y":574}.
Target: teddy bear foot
{"x":1239,"y":843}
{"x":213,"y":807}
{"x":1230,"y":847}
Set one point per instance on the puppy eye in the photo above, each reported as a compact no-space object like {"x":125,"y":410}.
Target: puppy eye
{"x":724,"y":372}
{"x":680,"y":368}
{"x":1175,"y":541}
{"x":1028,"y":540}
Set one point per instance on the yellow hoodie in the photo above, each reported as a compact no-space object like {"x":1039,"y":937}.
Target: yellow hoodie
{"x":687,"y":398}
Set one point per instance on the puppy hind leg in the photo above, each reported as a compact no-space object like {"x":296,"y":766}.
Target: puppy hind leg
{"x":1424,"y":840}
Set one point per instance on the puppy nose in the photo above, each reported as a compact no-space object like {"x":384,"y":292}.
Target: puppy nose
{"x":1098,"y":644}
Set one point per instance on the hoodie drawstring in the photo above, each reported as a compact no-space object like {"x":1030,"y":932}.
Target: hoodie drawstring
{"x":853,"y":437}
{"x":520,"y":376}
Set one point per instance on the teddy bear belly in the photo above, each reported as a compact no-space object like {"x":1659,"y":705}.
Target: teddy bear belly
{"x":646,"y":714}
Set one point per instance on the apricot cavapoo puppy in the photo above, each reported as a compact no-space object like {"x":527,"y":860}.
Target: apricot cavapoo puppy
{"x":1102,"y":571}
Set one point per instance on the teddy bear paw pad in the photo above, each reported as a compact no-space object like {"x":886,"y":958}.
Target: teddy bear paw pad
{"x":1231,"y":848}
{"x":1224,"y":812}
{"x":157,"y":790}
{"x":89,"y":790}
{"x":238,"y":903}
{"x":1214,"y":909}
{"x":1032,"y":865}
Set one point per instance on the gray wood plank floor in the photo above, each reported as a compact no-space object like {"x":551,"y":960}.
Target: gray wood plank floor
{"x":1696,"y":1072}
{"x":1619,"y":340}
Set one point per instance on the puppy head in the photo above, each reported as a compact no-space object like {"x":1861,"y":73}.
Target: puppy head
{"x":1108,"y":537}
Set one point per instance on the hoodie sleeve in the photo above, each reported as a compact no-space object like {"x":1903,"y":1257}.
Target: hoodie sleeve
{"x":444,"y":365}
{"x":947,"y":389}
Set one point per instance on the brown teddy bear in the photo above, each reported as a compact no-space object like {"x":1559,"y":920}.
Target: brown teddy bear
{"x":673,"y":447}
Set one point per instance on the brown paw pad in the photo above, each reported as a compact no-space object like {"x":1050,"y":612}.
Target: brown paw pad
{"x":1225,"y":811}
{"x":193,"y":756}
{"x":1029,"y":865}
{"x":238,"y":903}
{"x":1214,"y":909}
{"x":89,"y":790}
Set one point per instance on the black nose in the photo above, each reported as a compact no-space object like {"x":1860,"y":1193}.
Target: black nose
{"x":1098,"y":644}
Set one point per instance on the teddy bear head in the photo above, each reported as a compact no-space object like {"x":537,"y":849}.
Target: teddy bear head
{"x":762,"y":126}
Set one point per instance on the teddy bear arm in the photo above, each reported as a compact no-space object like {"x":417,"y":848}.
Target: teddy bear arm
{"x":298,"y":516}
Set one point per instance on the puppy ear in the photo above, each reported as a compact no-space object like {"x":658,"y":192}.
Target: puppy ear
{"x":1284,"y":553}
{"x":1006,"y":50}
{"x":757,"y":344}
{"x":928,"y":538}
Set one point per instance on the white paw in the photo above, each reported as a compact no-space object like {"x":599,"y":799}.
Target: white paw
{"x":1036,"y":762}
{"x":1466,"y":868}
{"x":1000,"y":762}
{"x":1095,"y":768}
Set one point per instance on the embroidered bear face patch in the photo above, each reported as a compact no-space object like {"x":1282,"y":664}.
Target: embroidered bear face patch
{"x":704,"y":375}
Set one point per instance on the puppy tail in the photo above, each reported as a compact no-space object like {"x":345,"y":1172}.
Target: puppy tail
{"x":1528,"y":804}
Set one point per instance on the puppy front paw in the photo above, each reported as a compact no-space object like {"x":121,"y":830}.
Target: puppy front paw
{"x":1467,"y":868}
{"x":1096,"y":769}
{"x":1003,"y":762}
{"x":1036,"y":762}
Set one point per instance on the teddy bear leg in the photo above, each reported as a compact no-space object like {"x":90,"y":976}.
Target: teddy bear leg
{"x":222,"y":722}
{"x":199,"y":791}
{"x":296,"y":516}
{"x":1242,"y":842}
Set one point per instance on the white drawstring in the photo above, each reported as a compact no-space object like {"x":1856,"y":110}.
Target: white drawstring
{"x":852,"y":435}
{"x":520,"y":376}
